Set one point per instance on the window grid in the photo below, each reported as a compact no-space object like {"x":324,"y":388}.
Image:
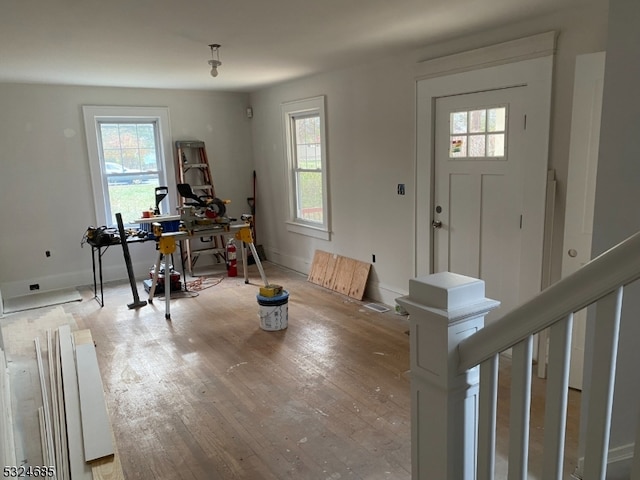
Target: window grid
{"x":128,"y":150}
{"x":478,"y":133}
{"x":130,"y":145}
{"x":308,"y":168}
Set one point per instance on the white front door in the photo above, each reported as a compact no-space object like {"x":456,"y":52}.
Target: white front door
{"x":581,"y":187}
{"x":478,"y":189}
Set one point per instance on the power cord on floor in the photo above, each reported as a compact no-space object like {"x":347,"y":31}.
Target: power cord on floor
{"x":202,"y":283}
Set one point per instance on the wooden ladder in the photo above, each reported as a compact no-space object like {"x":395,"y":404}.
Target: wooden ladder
{"x":192,"y":167}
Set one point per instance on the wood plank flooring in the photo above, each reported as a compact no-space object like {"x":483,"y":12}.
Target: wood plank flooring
{"x":209,"y":395}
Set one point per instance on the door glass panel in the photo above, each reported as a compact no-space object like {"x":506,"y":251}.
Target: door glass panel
{"x":458,"y":122}
{"x":495,"y":145}
{"x":458,"y":147}
{"x":478,"y":133}
{"x":476,"y":145}
{"x":477,"y":121}
{"x":497,"y":117}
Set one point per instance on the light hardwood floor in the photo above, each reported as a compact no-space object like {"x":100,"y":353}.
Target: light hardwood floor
{"x":209,"y":395}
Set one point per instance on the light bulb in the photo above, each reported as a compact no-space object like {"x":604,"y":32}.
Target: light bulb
{"x":214,"y":67}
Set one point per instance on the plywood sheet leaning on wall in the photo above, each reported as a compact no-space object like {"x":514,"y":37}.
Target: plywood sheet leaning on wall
{"x":344,"y":275}
{"x":359,"y":280}
{"x":340,"y":274}
{"x":318,"y":267}
{"x":329,"y":280}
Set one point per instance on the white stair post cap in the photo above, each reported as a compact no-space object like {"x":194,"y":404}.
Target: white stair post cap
{"x":446,"y":290}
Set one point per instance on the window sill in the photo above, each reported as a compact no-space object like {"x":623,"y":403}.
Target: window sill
{"x":309,"y":231}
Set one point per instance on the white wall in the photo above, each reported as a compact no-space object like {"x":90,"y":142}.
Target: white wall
{"x":371,"y":148}
{"x":617,"y":214}
{"x":45,"y":185}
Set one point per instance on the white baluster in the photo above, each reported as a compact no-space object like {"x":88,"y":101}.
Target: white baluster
{"x":519,"y":410}
{"x":555,"y":419}
{"x":605,"y":351}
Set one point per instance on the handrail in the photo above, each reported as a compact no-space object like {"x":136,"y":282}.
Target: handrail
{"x":616,"y":267}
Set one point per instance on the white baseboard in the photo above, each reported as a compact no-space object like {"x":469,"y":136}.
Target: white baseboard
{"x":383,"y":293}
{"x":619,"y":458}
{"x":298,"y":264}
{"x":49,"y":283}
{"x":376,"y":291}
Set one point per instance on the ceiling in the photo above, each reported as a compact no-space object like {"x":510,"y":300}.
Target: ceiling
{"x":164,"y":43}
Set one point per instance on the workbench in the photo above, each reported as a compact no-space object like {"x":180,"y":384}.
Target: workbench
{"x":237,"y":231}
{"x":97,"y":251}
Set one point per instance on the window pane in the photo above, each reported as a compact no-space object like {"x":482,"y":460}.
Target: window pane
{"x":146,"y":136}
{"x":495,"y":145}
{"x":131,"y":167}
{"x":131,"y":199}
{"x":476,"y":145}
{"x":149,"y":159}
{"x":309,"y":157}
{"x":459,"y":122}
{"x":113,"y":157}
{"x":458,"y":147}
{"x":308,"y":154}
{"x":132,"y":145}
{"x":477,"y":121}
{"x":309,"y":186}
{"x":110,"y":136}
{"x":308,"y":129}
{"x":497,"y":119}
{"x":128,"y":136}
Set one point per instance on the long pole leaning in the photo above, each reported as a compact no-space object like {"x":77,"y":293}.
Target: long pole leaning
{"x":127,"y":260}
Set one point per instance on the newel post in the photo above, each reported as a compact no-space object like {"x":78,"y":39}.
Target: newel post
{"x":444,"y":308}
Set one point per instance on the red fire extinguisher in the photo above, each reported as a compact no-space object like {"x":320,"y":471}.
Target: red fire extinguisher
{"x":232,"y":262}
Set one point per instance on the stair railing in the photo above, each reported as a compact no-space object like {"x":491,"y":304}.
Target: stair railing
{"x":454,"y":369}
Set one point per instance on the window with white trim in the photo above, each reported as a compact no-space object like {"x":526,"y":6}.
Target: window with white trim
{"x":304,"y":127}
{"x":127,"y":160}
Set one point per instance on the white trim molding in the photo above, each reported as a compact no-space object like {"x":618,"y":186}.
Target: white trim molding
{"x":92,"y":115}
{"x":617,"y":458}
{"x":290,"y":110}
{"x":536,"y":46}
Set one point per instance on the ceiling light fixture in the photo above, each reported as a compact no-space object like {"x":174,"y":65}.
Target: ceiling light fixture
{"x":215,"y":59}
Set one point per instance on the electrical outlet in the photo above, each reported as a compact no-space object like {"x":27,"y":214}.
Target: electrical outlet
{"x":373,"y":258}
{"x":34,"y":286}
{"x":47,"y":253}
{"x":401,"y":189}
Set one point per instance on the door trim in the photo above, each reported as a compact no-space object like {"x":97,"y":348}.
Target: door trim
{"x":535,"y":46}
{"x":536,"y":74}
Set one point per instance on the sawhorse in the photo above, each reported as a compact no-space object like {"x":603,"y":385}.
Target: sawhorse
{"x":167,"y":246}
{"x":244,"y":235}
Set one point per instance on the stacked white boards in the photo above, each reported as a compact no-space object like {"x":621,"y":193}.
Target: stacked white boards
{"x":7,"y":441}
{"x":75,"y":429}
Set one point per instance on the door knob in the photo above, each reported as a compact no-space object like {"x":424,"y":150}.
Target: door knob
{"x":436,"y":224}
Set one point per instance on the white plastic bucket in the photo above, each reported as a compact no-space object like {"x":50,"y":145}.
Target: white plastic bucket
{"x":274,"y":312}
